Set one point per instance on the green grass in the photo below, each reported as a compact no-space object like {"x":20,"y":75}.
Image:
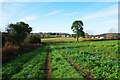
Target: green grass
{"x":27,"y":65}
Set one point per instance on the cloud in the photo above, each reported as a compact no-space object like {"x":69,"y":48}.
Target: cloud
{"x":70,"y":14}
{"x":109,"y":11}
{"x":28,"y":18}
{"x":111,"y":21}
{"x":1,"y":0}
{"x":53,"y":13}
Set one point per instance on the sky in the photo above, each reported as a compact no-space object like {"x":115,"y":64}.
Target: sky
{"x":98,"y":17}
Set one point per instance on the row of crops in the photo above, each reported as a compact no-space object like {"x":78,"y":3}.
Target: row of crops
{"x":60,"y":68}
{"x":28,"y":65}
{"x":100,"y":59}
{"x":68,"y":60}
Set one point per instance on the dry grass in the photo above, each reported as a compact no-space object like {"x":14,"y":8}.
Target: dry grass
{"x":61,"y":39}
{"x":67,"y":39}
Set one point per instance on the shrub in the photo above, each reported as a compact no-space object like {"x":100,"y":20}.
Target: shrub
{"x":33,"y":39}
{"x":4,"y":35}
{"x":9,"y":50}
{"x":28,"y":48}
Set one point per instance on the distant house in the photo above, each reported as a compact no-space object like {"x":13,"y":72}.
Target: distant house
{"x":97,"y":37}
{"x":101,"y":37}
{"x":106,"y":36}
{"x":65,"y":35}
{"x":92,"y":37}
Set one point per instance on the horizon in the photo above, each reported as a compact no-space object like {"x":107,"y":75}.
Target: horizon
{"x":73,"y":33}
{"x":98,"y":17}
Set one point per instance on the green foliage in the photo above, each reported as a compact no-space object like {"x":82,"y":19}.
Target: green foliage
{"x":33,"y":39}
{"x":17,"y":32}
{"x":100,"y":58}
{"x":78,"y":29}
{"x":60,"y":68}
{"x":97,"y":58}
{"x":27,"y":65}
{"x":4,"y":35}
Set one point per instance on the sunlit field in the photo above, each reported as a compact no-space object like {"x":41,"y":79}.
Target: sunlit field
{"x":93,"y":60}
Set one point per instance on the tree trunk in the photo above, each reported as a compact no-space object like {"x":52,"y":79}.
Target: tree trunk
{"x":77,"y":39}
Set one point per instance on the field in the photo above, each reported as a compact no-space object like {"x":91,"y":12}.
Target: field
{"x":28,"y":65}
{"x":63,"y":39}
{"x":84,"y":60}
{"x":98,"y":59}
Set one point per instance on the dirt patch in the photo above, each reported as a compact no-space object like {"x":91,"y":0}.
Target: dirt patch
{"x":48,"y":66}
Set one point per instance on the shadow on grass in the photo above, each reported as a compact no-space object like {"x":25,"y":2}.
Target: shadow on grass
{"x":15,"y":65}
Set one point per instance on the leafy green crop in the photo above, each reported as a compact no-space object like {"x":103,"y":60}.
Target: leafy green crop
{"x":99,"y":58}
{"x":28,"y":65}
{"x":60,"y":68}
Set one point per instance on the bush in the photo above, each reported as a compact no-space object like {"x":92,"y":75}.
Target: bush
{"x":4,"y":35}
{"x":28,"y":48}
{"x":33,"y":39}
{"x":8,"y":50}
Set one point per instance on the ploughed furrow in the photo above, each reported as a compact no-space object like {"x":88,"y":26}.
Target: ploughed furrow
{"x":86,"y":75}
{"x":48,"y":66}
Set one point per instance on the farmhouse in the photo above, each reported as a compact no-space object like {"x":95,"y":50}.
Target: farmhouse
{"x":106,"y":36}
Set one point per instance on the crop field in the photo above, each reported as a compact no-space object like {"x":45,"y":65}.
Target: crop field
{"x":28,"y":65}
{"x":84,"y":60}
{"x":98,"y":59}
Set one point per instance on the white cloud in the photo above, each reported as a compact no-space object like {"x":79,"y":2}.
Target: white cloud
{"x":70,"y":14}
{"x":53,"y":13}
{"x":1,"y":0}
{"x":28,"y":18}
{"x":109,"y":11}
{"x":102,"y":20}
{"x":111,"y":21}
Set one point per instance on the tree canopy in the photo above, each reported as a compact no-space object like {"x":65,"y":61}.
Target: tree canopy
{"x":78,"y":29}
{"x":18,"y":32}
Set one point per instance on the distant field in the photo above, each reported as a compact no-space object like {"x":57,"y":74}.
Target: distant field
{"x":64,"y":39}
{"x":68,"y":39}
